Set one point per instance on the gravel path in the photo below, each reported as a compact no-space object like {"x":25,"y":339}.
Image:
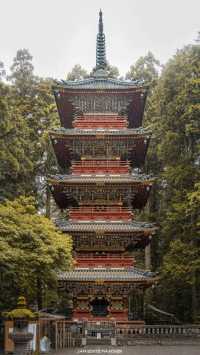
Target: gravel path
{"x":133,"y":350}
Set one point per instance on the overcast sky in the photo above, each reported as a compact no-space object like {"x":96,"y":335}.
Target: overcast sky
{"x":61,"y":33}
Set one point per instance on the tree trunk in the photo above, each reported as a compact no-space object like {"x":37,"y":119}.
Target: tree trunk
{"x":39,"y":293}
{"x":48,"y":202}
{"x":194,"y":300}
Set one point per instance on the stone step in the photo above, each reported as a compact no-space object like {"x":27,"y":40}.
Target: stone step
{"x":95,"y":341}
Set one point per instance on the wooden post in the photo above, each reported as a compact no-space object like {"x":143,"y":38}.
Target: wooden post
{"x":148,"y":257}
{"x":56,"y":336}
{"x":38,"y":336}
{"x":8,"y":343}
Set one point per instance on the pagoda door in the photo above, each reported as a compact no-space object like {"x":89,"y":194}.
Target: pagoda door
{"x":99,"y":307}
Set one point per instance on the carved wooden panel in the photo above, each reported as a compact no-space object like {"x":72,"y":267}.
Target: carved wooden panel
{"x":101,"y":103}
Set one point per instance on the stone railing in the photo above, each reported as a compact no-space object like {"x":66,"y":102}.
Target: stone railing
{"x":155,"y":331}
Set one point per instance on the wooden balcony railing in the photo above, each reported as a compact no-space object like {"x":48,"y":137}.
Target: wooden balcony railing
{"x":100,"y":166}
{"x":107,"y":256}
{"x":106,"y":213}
{"x":93,"y":122}
{"x":104,"y":261}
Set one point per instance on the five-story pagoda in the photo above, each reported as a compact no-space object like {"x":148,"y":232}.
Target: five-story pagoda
{"x":100,"y":149}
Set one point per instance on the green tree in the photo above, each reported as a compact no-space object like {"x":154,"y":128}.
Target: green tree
{"x":181,"y":263}
{"x":173,"y":116}
{"x":2,"y":70}
{"x":77,"y":73}
{"x":32,"y":252}
{"x":145,"y":69}
{"x":22,"y":72}
{"x":113,"y":71}
{"x":33,"y":102}
{"x":16,"y":167}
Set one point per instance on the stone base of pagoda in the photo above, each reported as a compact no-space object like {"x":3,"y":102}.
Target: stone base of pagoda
{"x":84,"y":316}
{"x":116,"y":317}
{"x":119,"y":323}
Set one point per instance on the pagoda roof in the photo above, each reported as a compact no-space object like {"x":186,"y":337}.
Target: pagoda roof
{"x":74,"y":100}
{"x":69,"y":190}
{"x":100,"y":83}
{"x":101,"y":178}
{"x":104,"y":226}
{"x":65,"y":132}
{"x":66,"y":147}
{"x":107,"y":274}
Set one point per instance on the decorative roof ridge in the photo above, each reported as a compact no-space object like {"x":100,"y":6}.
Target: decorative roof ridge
{"x":102,"y":177}
{"x":98,"y":80}
{"x":90,"y":274}
{"x":114,"y":269}
{"x":64,"y":130}
{"x":110,"y":223}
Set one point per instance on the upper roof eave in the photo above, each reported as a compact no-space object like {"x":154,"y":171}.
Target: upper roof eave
{"x":119,"y":227}
{"x":100,"y":84}
{"x":101,"y":178}
{"x":108,"y":274}
{"x":105,"y":132}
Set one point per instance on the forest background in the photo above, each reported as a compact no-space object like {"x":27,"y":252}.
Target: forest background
{"x":32,"y":250}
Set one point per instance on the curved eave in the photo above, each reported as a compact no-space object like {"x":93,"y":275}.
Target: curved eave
{"x":107,"y":227}
{"x":88,"y":179}
{"x":75,"y":132}
{"x":95,"y":83}
{"x":102,"y":275}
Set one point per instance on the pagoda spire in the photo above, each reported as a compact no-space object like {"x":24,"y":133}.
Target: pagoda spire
{"x":100,"y":22}
{"x":100,"y":46}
